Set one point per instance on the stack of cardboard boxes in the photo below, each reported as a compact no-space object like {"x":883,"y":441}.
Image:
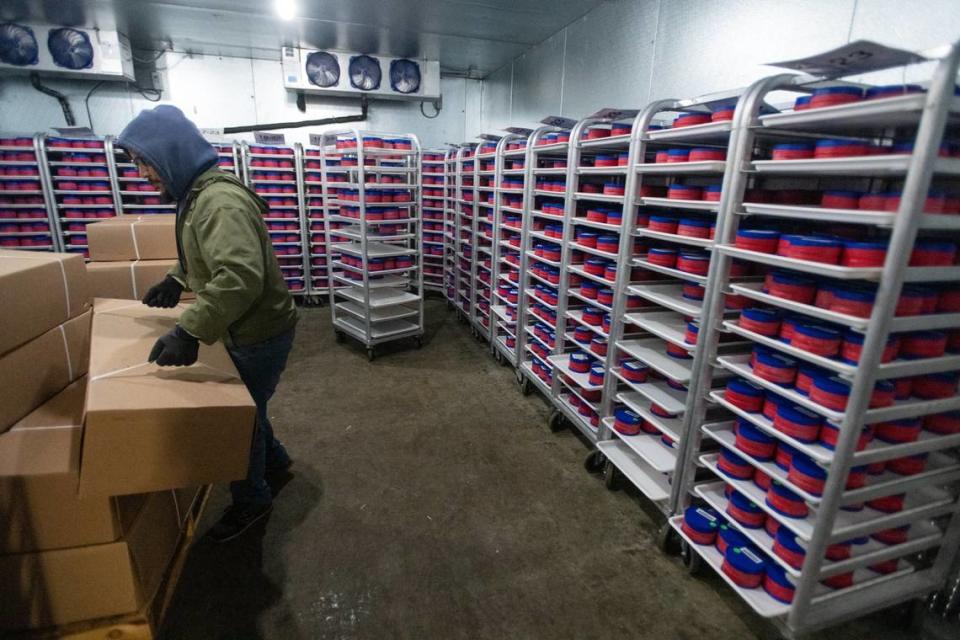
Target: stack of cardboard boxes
{"x":101,"y":453}
{"x":130,"y":254}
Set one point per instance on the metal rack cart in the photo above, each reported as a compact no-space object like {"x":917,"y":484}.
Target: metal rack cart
{"x":81,"y":184}
{"x":450,"y":271}
{"x":508,"y":214}
{"x":275,"y":173}
{"x":879,"y":524}
{"x":465,"y":207}
{"x":433,"y":186}
{"x":228,"y":157}
{"x":665,"y":239}
{"x":316,"y":212}
{"x":546,"y":199}
{"x":29,"y":218}
{"x":484,"y":199}
{"x":380,"y":259}
{"x":596,"y":187}
{"x":133,"y":194}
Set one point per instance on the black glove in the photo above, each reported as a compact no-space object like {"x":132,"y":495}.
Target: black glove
{"x":166,"y":294}
{"x":175,"y":349}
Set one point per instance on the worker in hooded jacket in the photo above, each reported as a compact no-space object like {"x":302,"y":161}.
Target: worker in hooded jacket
{"x":226,"y":259}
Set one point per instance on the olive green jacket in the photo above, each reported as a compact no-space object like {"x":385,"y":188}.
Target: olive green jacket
{"x":226,"y":259}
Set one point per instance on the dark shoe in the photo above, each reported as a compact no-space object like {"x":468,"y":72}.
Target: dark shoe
{"x":237,"y":519}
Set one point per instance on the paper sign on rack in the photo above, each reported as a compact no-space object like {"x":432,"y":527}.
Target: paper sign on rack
{"x":489,"y":136}
{"x":861,"y":56}
{"x":559,"y":121}
{"x":75,"y":132}
{"x":522,"y":131}
{"x":316,"y":139}
{"x":212,"y":133}
{"x":263,"y":137}
{"x":615,"y":114}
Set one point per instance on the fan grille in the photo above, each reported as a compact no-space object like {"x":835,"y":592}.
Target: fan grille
{"x":18,"y":45}
{"x":323,"y":69}
{"x":405,"y":76}
{"x":365,"y":73}
{"x":70,"y":48}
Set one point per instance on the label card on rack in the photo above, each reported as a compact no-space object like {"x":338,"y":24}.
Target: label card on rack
{"x":559,"y":121}
{"x":212,"y":132}
{"x":615,"y":114}
{"x":521,"y":131}
{"x":263,"y":137}
{"x":316,"y":139}
{"x":489,"y":136}
{"x":75,"y":132}
{"x":861,"y":56}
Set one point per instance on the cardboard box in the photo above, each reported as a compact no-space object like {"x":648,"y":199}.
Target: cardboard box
{"x":126,"y":280}
{"x":68,"y":585}
{"x":39,"y":471}
{"x":38,"y":370}
{"x":149,"y":237}
{"x":39,"y":291}
{"x":150,"y":428}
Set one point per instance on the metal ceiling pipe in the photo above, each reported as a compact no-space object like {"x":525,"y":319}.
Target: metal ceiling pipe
{"x":361,"y":117}
{"x":62,"y":99}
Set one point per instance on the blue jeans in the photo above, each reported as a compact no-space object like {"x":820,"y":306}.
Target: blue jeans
{"x":260,"y":366}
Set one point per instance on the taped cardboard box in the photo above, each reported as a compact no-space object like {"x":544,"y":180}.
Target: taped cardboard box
{"x":39,"y":291}
{"x":81,"y":583}
{"x":149,"y":237}
{"x":39,"y":472}
{"x":36,"y":371}
{"x":126,"y":280}
{"x":150,"y":428}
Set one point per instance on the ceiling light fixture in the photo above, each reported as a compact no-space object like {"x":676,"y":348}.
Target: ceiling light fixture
{"x":286,"y":9}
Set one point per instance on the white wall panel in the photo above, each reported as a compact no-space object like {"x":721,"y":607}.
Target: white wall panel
{"x":212,"y":91}
{"x":497,"y":96}
{"x":625,"y":53}
{"x":473,"y":110}
{"x":937,"y":22}
{"x":910,"y":24}
{"x":537,"y":82}
{"x":24,"y":109}
{"x":706,"y":45}
{"x":610,"y":57}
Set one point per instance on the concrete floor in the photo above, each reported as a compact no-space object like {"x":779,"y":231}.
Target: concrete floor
{"x":429,"y":500}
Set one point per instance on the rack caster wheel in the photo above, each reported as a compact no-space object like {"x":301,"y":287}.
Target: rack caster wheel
{"x":498,"y":356}
{"x":525,"y":387}
{"x":418,"y":341}
{"x":370,"y":355}
{"x":612,"y":478}
{"x":338,"y":336}
{"x":691,"y":559}
{"x":519,"y":375}
{"x":668,"y":541}
{"x":556,"y":421}
{"x":594,"y":462}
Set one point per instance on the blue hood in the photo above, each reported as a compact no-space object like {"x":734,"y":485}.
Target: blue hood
{"x":171,"y":144}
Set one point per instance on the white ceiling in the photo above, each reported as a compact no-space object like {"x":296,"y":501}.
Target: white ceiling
{"x":467,"y":36}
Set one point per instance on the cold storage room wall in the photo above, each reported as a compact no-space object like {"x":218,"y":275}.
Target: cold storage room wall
{"x":218,"y":92}
{"x":626,"y":53}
